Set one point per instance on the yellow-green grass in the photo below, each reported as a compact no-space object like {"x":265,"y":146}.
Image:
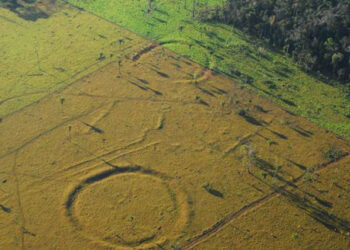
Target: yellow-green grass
{"x":154,"y":151}
{"x":227,"y":50}
{"x":40,"y":57}
{"x":142,"y":156}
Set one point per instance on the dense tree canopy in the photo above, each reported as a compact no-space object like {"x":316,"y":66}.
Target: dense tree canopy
{"x":315,"y":32}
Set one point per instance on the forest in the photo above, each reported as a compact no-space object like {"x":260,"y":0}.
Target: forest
{"x":315,"y":33}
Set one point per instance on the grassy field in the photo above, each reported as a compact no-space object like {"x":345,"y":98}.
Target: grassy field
{"x":43,"y":56}
{"x":138,"y":154}
{"x":227,"y":50}
{"x":132,"y":146}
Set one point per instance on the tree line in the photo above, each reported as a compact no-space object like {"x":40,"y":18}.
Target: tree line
{"x":316,"y":33}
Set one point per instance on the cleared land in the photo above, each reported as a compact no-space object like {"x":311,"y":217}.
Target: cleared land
{"x":154,"y":151}
{"x":43,"y":56}
{"x":227,"y":50}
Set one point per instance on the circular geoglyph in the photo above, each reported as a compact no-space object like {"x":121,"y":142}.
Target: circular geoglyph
{"x":129,"y":208}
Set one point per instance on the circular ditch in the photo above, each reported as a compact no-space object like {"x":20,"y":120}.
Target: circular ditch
{"x":127,"y":207}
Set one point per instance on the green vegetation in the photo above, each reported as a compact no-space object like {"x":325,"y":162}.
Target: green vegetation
{"x":310,"y":176}
{"x":223,"y":103}
{"x":295,"y":236}
{"x":315,"y":32}
{"x":52,"y":50}
{"x":271,"y":142}
{"x":62,"y":100}
{"x":208,"y":187}
{"x":264,"y":175}
{"x":335,"y":154}
{"x":175,"y":246}
{"x":278,"y":167}
{"x":228,"y":50}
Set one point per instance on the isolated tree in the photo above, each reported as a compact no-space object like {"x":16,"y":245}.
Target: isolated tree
{"x":149,"y":8}
{"x":194,"y":8}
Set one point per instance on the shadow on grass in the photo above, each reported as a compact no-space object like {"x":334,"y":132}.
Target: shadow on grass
{"x":312,"y":205}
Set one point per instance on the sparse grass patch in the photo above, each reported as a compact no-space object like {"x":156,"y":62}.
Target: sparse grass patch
{"x":334,"y":154}
{"x":207,"y":186}
{"x":264,"y":175}
{"x":295,"y":236}
{"x":310,"y":176}
{"x":271,"y":142}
